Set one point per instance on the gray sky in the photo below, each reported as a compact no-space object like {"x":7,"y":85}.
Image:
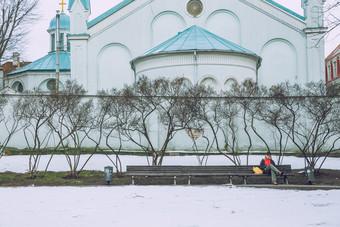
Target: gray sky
{"x":38,"y":39}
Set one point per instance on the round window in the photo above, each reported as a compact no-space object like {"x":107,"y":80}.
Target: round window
{"x":194,"y":7}
{"x":51,"y":85}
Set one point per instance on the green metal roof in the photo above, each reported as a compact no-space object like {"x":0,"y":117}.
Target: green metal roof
{"x":199,"y":39}
{"x":288,"y":10}
{"x":86,"y":4}
{"x":64,"y":22}
{"x":47,"y":64}
{"x":126,"y":2}
{"x":108,"y":13}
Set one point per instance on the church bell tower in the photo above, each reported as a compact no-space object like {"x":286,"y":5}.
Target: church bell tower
{"x":315,"y":30}
{"x":80,"y":10}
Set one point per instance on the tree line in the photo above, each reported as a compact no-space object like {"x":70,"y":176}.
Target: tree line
{"x":306,"y":117}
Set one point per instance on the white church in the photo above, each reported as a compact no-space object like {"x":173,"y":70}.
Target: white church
{"x":215,"y":42}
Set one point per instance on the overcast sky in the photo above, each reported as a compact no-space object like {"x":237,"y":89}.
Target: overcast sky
{"x":38,"y":39}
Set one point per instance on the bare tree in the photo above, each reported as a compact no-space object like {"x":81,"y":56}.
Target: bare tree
{"x":332,"y":20}
{"x":64,"y":101}
{"x":149,"y":101}
{"x":245,"y":93}
{"x":10,"y":118}
{"x":217,"y":116}
{"x":113,"y":115}
{"x":309,"y":118}
{"x":36,"y":110}
{"x":15,"y":18}
{"x":3,"y":104}
{"x":73,"y":124}
{"x":271,"y":112}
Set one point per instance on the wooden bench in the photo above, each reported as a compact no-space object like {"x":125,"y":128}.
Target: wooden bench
{"x":191,"y":171}
{"x":247,"y":171}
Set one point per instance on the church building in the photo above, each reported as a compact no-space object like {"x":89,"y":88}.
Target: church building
{"x":214,"y":42}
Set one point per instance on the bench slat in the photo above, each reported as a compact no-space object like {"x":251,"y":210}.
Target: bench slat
{"x":188,"y":171}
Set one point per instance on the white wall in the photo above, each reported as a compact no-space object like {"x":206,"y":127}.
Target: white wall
{"x":142,"y":24}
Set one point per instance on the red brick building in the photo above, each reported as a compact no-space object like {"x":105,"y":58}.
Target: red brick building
{"x":333,"y":67}
{"x":9,"y":67}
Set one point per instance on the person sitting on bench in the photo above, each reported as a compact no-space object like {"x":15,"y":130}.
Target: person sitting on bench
{"x":268,"y":166}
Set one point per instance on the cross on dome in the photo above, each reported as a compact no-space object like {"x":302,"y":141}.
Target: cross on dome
{"x":62,"y":5}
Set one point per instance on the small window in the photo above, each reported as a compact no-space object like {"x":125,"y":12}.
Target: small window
{"x":329,"y":71}
{"x":229,"y":84}
{"x":194,"y":7}
{"x":68,"y":45}
{"x":18,"y":86}
{"x":52,"y":42}
{"x":210,"y":82}
{"x":335,"y":69}
{"x":51,"y":85}
{"x":61,"y":41}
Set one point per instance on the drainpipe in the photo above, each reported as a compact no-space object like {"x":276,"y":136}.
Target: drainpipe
{"x":195,"y":66}
{"x":2,"y":79}
{"x":134,"y":74}
{"x":57,"y":52}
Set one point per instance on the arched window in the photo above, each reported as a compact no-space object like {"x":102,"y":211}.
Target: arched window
{"x":51,"y":85}
{"x":210,"y":82}
{"x":229,"y":83}
{"x":18,"y":86}
{"x":52,"y":42}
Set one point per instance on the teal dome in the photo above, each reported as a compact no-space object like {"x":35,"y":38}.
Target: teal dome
{"x":199,"y":39}
{"x":64,"y":22}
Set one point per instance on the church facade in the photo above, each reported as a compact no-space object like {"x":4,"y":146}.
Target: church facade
{"x":213,"y":42}
{"x":216,"y":42}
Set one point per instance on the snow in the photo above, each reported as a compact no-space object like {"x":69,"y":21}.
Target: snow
{"x":167,"y":206}
{"x":19,"y":164}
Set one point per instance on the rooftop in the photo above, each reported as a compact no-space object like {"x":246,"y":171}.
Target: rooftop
{"x":197,"y":38}
{"x":47,"y":64}
{"x":64,"y":22}
{"x":124,"y":3}
{"x":86,"y":4}
{"x":334,"y":53}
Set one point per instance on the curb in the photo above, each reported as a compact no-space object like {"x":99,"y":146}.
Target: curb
{"x":291,"y":186}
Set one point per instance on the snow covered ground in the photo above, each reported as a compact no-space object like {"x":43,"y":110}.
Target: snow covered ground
{"x":167,"y":206}
{"x":19,"y":164}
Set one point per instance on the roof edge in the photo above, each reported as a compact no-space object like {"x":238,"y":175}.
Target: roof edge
{"x":108,"y":13}
{"x":332,"y":53}
{"x":286,"y":9}
{"x":27,"y":68}
{"x":38,"y":71}
{"x":259,"y":59}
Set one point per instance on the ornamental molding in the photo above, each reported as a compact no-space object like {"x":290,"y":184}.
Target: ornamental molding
{"x":187,"y":59}
{"x":320,"y":30}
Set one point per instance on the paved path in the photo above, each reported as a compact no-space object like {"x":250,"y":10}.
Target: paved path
{"x":291,"y":186}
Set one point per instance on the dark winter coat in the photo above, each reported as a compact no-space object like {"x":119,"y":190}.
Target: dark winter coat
{"x":263,"y":166}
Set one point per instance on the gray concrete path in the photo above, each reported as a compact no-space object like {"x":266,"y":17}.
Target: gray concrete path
{"x":291,"y":186}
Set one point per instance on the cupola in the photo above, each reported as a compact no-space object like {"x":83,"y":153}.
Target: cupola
{"x":64,"y":30}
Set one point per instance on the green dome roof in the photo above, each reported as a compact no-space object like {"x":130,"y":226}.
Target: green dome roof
{"x":196,"y":38}
{"x":64,"y":22}
{"x":47,"y":64}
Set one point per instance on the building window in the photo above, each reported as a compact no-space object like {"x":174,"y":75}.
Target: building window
{"x":61,"y":41}
{"x":229,"y":84}
{"x":194,"y":7}
{"x":329,"y":73}
{"x":18,"y":86}
{"x":68,"y":45}
{"x":52,"y":42}
{"x":335,"y":69}
{"x":51,"y":85}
